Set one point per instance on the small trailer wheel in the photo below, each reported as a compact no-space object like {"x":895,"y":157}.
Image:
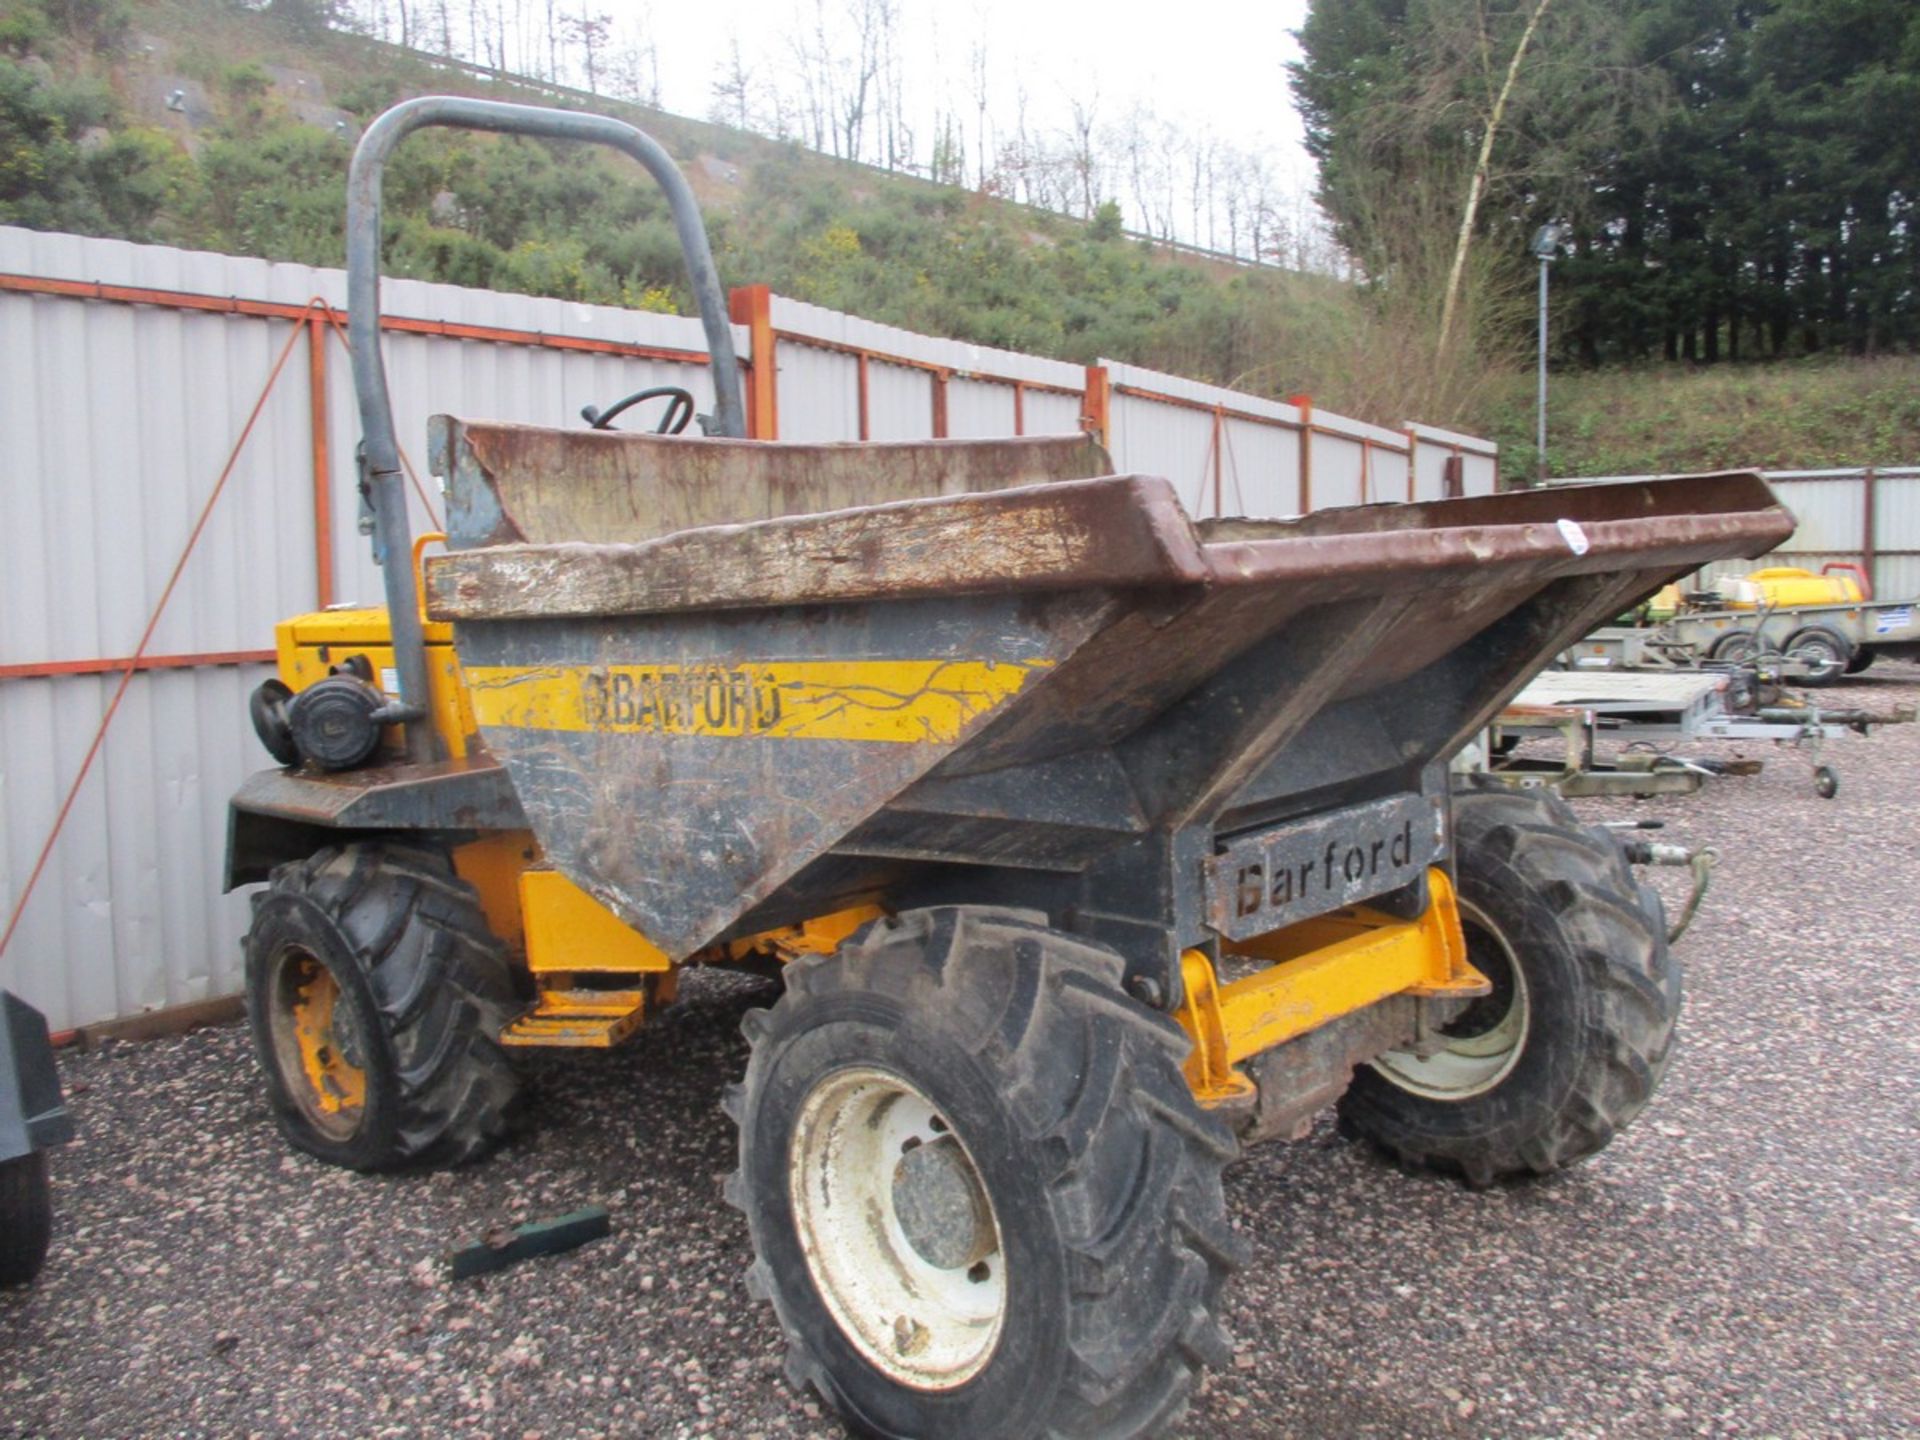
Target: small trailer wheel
{"x":1736,"y":647}
{"x":26,"y":1216}
{"x":376,"y":997}
{"x":983,"y":1200}
{"x":1572,"y":1041}
{"x":1824,"y":647}
{"x":1826,"y":781}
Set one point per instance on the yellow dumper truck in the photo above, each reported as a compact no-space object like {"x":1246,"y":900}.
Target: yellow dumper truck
{"x":1091,"y":842}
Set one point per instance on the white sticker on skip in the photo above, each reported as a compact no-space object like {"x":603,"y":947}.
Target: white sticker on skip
{"x":390,"y":681}
{"x":1575,"y":537}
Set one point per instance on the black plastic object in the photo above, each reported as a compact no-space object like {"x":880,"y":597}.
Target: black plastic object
{"x":268,"y":708}
{"x":33,"y":1116}
{"x":336,"y":721}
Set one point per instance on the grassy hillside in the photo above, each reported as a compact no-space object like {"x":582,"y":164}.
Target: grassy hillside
{"x":1804,"y":415}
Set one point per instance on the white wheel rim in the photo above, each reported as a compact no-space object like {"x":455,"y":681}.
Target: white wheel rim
{"x":1470,"y":1065}
{"x":905,"y":1252}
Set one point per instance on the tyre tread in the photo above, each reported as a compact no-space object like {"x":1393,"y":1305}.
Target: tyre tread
{"x":440,"y":982}
{"x":1534,"y":841}
{"x":1093,"y":1082}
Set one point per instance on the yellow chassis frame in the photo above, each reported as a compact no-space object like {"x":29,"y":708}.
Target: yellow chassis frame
{"x":1317,"y":971}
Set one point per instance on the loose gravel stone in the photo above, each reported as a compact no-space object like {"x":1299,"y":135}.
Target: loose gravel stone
{"x":1744,"y":1261}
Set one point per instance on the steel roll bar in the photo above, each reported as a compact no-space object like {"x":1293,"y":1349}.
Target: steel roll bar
{"x":386,"y":496}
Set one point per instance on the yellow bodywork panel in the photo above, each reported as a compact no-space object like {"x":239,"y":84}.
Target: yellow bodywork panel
{"x":1320,"y":970}
{"x":821,"y":935}
{"x":307,"y":646}
{"x":901,"y":701}
{"x":493,"y":865}
{"x":567,"y":930}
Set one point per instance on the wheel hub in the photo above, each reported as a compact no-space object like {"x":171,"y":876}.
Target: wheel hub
{"x":1479,"y":1047}
{"x":897,"y":1228}
{"x":320,"y":1049}
{"x":939,"y":1204}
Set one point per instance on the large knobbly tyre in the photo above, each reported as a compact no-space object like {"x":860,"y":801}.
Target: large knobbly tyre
{"x":26,"y":1216}
{"x":983,"y":1200}
{"x":376,"y":996}
{"x":1573,"y":1040}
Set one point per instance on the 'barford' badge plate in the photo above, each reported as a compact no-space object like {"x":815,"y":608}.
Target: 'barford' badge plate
{"x":1308,"y":867}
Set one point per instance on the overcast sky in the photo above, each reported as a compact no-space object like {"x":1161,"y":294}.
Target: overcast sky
{"x":1214,"y":64}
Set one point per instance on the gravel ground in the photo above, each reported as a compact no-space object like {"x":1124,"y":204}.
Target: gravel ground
{"x":1744,"y":1262}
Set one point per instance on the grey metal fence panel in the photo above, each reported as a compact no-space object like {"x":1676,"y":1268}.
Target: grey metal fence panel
{"x":1897,"y":536}
{"x":1832,"y":514}
{"x":899,"y":402}
{"x":1153,"y":439}
{"x":1387,"y":478}
{"x":1050,"y":413}
{"x":819,"y":394}
{"x":978,"y":409}
{"x":1262,"y":469}
{"x":1481,"y":473}
{"x":1335,"y":477}
{"x":1433,"y":448}
{"x":1198,"y":435}
{"x":818,"y":364}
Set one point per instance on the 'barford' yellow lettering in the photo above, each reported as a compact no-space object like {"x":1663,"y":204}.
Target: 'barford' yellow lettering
{"x":902,"y":701}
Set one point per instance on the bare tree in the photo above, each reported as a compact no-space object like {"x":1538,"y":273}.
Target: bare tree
{"x":1085,"y":158}
{"x":811,"y":53}
{"x":982,"y":99}
{"x":589,"y":31}
{"x":733,"y":87}
{"x":858,"y":67}
{"x":897,"y":134}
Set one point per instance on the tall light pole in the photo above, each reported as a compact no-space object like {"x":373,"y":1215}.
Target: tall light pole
{"x":1546,"y":245}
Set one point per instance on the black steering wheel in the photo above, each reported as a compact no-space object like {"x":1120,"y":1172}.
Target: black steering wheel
{"x":679,"y":409}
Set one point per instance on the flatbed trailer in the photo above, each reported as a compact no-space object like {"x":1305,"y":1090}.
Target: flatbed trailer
{"x":1658,"y":709}
{"x":1807,"y":644}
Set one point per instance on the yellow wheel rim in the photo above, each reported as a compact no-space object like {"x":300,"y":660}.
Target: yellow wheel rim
{"x":318,"y":1043}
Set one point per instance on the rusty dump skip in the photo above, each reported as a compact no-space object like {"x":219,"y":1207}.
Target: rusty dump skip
{"x":1058,"y":694}
{"x":619,"y":488}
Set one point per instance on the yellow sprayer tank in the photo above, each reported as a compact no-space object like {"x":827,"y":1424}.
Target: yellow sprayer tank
{"x":1786,"y":586}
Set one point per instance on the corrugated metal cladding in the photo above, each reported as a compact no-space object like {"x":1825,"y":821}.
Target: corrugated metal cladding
{"x":819,"y":394}
{"x":899,"y":402}
{"x":1897,"y":536}
{"x":1147,"y":438}
{"x":1249,"y":464}
{"x":1854,"y":517}
{"x":1433,"y":448}
{"x":116,"y":418}
{"x":819,"y":382}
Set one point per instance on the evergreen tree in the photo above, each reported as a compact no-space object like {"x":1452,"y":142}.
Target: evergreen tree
{"x":1741,"y":175}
